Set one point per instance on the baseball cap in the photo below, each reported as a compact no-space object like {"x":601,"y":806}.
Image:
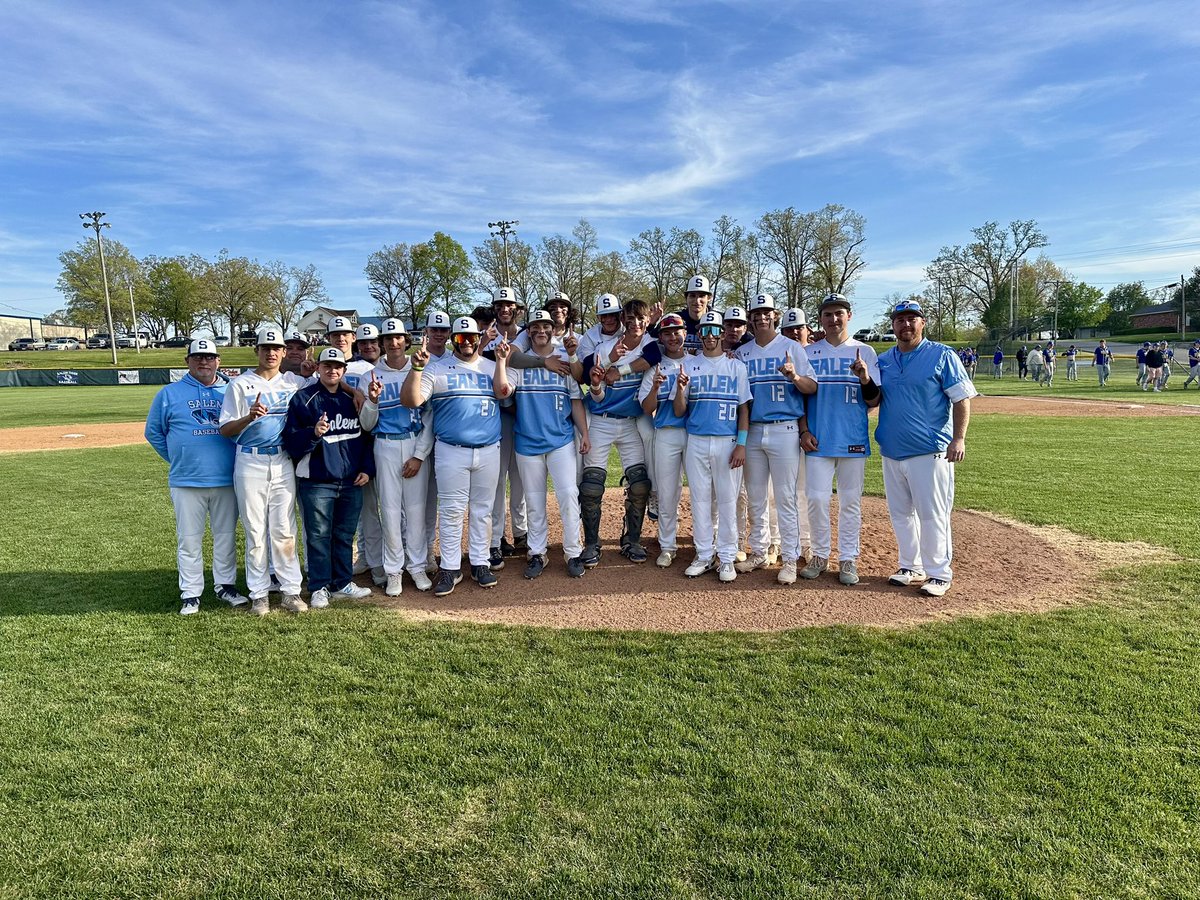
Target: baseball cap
{"x":793,"y":318}
{"x":607,"y":305}
{"x":297,"y":337}
{"x":269,"y":337}
{"x":698,"y":284}
{"x":465,"y":325}
{"x":1145,"y":343}
{"x":203,"y":347}
{"x":392,"y":326}
{"x":539,"y":316}
{"x":673,"y":320}
{"x":339,"y":323}
{"x":332,"y":355}
{"x":835,"y":299}
{"x":504,"y":295}
{"x":559,"y":297}
{"x":366,"y":333}
{"x":907,"y":306}
{"x":437,"y":319}
{"x":735,"y":314}
{"x":712,"y":317}
{"x":762,"y":301}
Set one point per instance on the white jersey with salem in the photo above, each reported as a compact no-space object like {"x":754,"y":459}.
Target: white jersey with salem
{"x":775,"y":397}
{"x":837,"y":414}
{"x":465,"y":411}
{"x":276,"y":394}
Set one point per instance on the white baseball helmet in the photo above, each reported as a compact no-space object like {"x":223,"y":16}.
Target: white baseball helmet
{"x":735,"y":314}
{"x":203,"y":347}
{"x":339,"y":323}
{"x":762,"y":301}
{"x":712,"y":317}
{"x":332,"y":355}
{"x":698,"y":284}
{"x":793,"y":318}
{"x":269,"y":336}
{"x":437,"y":319}
{"x":297,"y":337}
{"x":559,"y":297}
{"x":607,"y":305}
{"x":464,"y":325}
{"x":504,"y":295}
{"x":366,"y":333}
{"x":540,"y":316}
{"x":392,"y":326}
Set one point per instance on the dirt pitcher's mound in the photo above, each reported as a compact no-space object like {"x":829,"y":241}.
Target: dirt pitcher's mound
{"x":73,"y":437}
{"x":998,"y":567}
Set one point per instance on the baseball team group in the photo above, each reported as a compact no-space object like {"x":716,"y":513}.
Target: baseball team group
{"x":394,"y":447}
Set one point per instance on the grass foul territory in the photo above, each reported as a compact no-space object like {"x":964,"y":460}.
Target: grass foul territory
{"x":353,"y":753}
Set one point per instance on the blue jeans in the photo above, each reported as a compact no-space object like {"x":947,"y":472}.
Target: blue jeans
{"x":331,"y":513}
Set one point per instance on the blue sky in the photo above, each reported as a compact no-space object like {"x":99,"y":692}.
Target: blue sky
{"x":318,"y":132}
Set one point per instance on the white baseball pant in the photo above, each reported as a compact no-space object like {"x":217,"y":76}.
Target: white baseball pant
{"x":515,"y":495}
{"x":193,"y":507}
{"x":709,"y":477}
{"x":604,"y":431}
{"x":670,"y":444}
{"x":563,"y":467}
{"x":401,"y":506}
{"x":466,"y":482}
{"x":850,"y":472}
{"x":772,"y":467}
{"x":802,"y":502}
{"x":920,"y":496}
{"x":266,"y":494}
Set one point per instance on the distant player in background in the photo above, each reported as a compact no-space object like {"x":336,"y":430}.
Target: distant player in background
{"x":1102,"y":360}
{"x":1141,"y":364}
{"x":1193,"y":365}
{"x":998,"y":362}
{"x":1072,"y":355}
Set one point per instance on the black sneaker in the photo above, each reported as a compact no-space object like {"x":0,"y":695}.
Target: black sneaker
{"x":590,"y":557}
{"x":634,"y":553}
{"x":520,"y":545}
{"x":447,"y":579}
{"x":536,"y":564}
{"x":507,"y":549}
{"x":496,"y":559}
{"x":575,"y":567}
{"x":483,"y":576}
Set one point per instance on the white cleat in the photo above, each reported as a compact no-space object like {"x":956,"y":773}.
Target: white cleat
{"x":787,"y":574}
{"x":772,"y":554}
{"x":420,"y":580}
{"x":700,"y":566}
{"x":665,"y":559}
{"x":351,"y":591}
{"x":395,"y":585}
{"x":319,"y":600}
{"x":728,"y":572}
{"x":906,"y":577}
{"x":935,"y":587}
{"x":752,"y":562}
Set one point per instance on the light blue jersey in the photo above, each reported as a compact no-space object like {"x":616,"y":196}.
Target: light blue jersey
{"x":717,"y":386}
{"x":543,"y":410}
{"x":837,"y":413}
{"x":267,"y":431}
{"x":621,"y":397}
{"x":775,"y":397}
{"x":394,"y":417}
{"x":664,"y":416}
{"x":358,"y":374}
{"x":465,"y":410}
{"x":919,"y":388}
{"x":182,"y":428}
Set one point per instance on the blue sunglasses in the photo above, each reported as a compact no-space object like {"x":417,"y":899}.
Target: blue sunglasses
{"x":711,"y":330}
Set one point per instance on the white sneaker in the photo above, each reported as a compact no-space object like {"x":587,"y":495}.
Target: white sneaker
{"x":420,"y":580}
{"x":750,"y":563}
{"x":700,"y":566}
{"x":905,"y":577}
{"x":848,"y":571}
{"x":728,"y":572}
{"x":772,"y":554}
{"x":395,"y":585}
{"x":935,"y":587}
{"x":665,"y":559}
{"x":351,"y":591}
{"x":260,"y":606}
{"x":816,"y":566}
{"x":787,"y":574}
{"x":229,"y":594}
{"x":293,"y":603}
{"x":319,"y":600}
{"x":191,"y":606}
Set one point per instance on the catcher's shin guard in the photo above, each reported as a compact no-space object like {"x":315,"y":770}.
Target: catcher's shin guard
{"x":637,"y":495}
{"x":591,"y":492}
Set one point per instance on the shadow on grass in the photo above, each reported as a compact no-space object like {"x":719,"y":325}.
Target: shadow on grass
{"x":154,"y":592}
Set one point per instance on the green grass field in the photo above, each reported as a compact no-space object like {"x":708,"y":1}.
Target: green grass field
{"x":352,"y":753}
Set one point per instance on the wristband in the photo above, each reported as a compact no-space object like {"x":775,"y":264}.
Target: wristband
{"x":870,"y":390}
{"x":741,"y":438}
{"x":573,"y":358}
{"x":624,"y":369}
{"x":417,"y":368}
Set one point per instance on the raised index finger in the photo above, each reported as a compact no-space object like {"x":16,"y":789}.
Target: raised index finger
{"x":258,"y":399}
{"x":857,"y":354}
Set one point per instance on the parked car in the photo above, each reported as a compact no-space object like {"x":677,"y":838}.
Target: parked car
{"x":221,"y":340}
{"x":247,"y":338}
{"x":27,"y":343}
{"x":131,"y":341}
{"x":99,"y":341}
{"x":866,"y":334}
{"x":889,"y":336}
{"x":63,"y":343}
{"x":176,"y":342}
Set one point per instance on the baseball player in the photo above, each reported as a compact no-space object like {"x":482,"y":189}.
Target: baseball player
{"x":509,"y":489}
{"x":1036,"y":363}
{"x":670,"y":433}
{"x":779,"y":375}
{"x":1102,"y":360}
{"x":614,"y":410}
{"x":835,"y":437}
{"x":794,"y":325}
{"x":402,"y":447}
{"x":182,"y":429}
{"x":435,"y":341}
{"x":998,"y":363}
{"x":608,"y":327}
{"x":922,"y":432}
{"x":296,"y":355}
{"x":253,"y":413}
{"x":1072,"y":355}
{"x":1141,"y":364}
{"x":1048,"y":366}
{"x":1168,"y":360}
{"x":562,"y":318}
{"x":1193,"y":365}
{"x":324,"y":436}
{"x":549,"y":412}
{"x":466,"y":421}
{"x":697,"y":297}
{"x":1152,"y":363}
{"x":713,"y":393}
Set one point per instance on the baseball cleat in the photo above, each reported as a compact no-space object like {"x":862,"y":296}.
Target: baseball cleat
{"x":319,"y":599}
{"x":259,"y":606}
{"x":752,"y":562}
{"x":482,"y":576}
{"x":537,"y":563}
{"x":728,"y":572}
{"x":420,"y":579}
{"x":507,"y":549}
{"x":591,"y":557}
{"x":772,"y":554}
{"x":665,"y":559}
{"x":905,"y":577}
{"x":700,"y":566}
{"x":787,"y":573}
{"x":634,"y":553}
{"x":935,"y":587}
{"x":848,"y":571}
{"x":191,"y":606}
{"x":447,"y":579}
{"x":351,"y":591}
{"x":293,"y":603}
{"x":496,"y":559}
{"x":395,"y":585}
{"x":815,"y":567}
{"x":575,"y":567}
{"x":229,"y":594}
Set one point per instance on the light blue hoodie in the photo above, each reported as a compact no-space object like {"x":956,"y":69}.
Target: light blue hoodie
{"x":182,"y":427}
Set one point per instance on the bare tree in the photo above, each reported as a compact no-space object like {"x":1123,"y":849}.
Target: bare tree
{"x":984,"y":265}
{"x":787,"y":240}
{"x":655,"y":257}
{"x":399,"y":282}
{"x":523,"y":274}
{"x":838,"y":258}
{"x":726,"y":233}
{"x":746,"y":269}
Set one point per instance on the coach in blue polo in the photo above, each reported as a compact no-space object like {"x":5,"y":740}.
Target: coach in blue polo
{"x":922,"y":433}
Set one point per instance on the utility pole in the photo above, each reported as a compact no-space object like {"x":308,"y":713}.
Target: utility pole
{"x":137,"y":335}
{"x":96,"y":225}
{"x":1182,"y":309}
{"x":503,"y":230}
{"x":1057,"y":283}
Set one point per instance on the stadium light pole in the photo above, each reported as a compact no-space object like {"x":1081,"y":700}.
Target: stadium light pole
{"x":503,"y":230}
{"x":92,"y":220}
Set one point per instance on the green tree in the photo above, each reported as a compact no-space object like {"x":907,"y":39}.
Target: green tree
{"x":1080,"y":305}
{"x":522,"y":268}
{"x":81,"y":283}
{"x":236,"y":290}
{"x":174,"y":294}
{"x":399,"y":281}
{"x":1121,"y":303}
{"x":788,"y":242}
{"x":449,"y":270}
{"x":656,"y":257}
